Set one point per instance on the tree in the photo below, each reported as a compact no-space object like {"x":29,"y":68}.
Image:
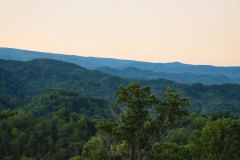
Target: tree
{"x":218,"y":140}
{"x":145,"y":123}
{"x":25,"y":158}
{"x":171,"y":151}
{"x":95,"y":150}
{"x":23,"y":136}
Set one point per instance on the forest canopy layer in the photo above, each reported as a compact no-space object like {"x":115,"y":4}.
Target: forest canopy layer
{"x":24,"y":80}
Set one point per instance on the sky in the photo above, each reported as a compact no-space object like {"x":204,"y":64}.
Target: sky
{"x":187,"y":31}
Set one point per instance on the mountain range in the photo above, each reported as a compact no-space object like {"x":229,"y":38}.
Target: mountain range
{"x":23,"y":79}
{"x":176,"y":71}
{"x":49,"y":109}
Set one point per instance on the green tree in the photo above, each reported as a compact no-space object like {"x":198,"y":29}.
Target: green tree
{"x":171,"y":151}
{"x":180,"y":136}
{"x":218,"y":140}
{"x":94,"y":150}
{"x":144,"y":125}
{"x":198,"y":122}
{"x":60,"y":137}
{"x":26,"y":158}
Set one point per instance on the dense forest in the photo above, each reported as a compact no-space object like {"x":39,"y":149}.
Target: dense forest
{"x":51,"y":109}
{"x":169,"y":132}
{"x":31,"y":78}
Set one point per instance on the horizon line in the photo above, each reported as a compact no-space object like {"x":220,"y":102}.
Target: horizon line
{"x":74,"y":54}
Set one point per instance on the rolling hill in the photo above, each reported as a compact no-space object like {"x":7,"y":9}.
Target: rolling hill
{"x":189,"y":78}
{"x":31,"y":78}
{"x":181,"y":73}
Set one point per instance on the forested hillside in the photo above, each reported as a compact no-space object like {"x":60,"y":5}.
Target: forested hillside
{"x":60,"y":136}
{"x":169,"y":132}
{"x":55,"y":110}
{"x":21,"y":79}
{"x":184,"y":78}
{"x":175,"y":71}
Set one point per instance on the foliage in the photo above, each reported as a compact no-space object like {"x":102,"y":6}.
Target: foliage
{"x":41,"y":123}
{"x":7,"y":102}
{"x":20,"y":79}
{"x":94,"y":149}
{"x":26,"y":158}
{"x":218,"y":140}
{"x":62,"y":136}
{"x":138,"y":131}
{"x":52,"y":100}
{"x":171,"y":151}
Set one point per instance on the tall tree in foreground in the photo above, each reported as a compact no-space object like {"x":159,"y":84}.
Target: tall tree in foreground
{"x":145,"y":123}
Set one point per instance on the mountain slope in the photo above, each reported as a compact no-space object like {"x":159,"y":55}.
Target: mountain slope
{"x":93,"y":62}
{"x":132,"y":72}
{"x":52,"y":100}
{"x":87,"y":62}
{"x":19,"y":82}
{"x":13,"y":85}
{"x":47,"y":73}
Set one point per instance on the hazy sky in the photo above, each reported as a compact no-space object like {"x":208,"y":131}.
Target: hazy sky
{"x":189,"y":31}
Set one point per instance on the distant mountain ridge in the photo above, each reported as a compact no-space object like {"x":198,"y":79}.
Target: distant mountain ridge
{"x":176,"y":71}
{"x":87,"y":62}
{"x":132,"y":72}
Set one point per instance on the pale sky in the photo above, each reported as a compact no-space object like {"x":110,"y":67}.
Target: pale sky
{"x":188,"y":31}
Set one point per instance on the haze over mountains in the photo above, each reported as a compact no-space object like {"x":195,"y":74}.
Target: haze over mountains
{"x":178,"y":72}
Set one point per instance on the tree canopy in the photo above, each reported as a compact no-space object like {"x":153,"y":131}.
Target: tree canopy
{"x":144,"y":124}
